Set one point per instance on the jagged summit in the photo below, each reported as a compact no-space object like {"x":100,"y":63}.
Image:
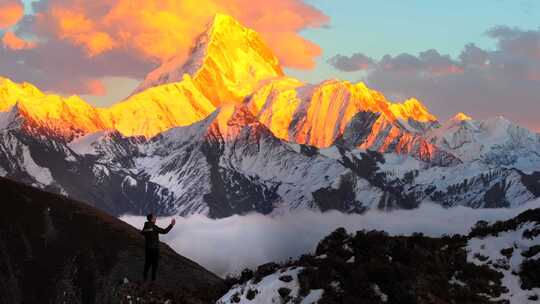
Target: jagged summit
{"x":227,"y":60}
{"x":495,"y":140}
{"x":227,"y":63}
{"x":11,"y":92}
{"x":48,"y":114}
{"x":412,"y":108}
{"x":319,"y":115}
{"x":461,"y":117}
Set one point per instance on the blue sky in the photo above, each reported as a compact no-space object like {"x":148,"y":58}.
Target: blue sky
{"x":376,"y":28}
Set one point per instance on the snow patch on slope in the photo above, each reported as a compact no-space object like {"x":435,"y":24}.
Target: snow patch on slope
{"x":42,"y":175}
{"x":480,"y":248}
{"x":9,"y":119}
{"x":87,"y":144}
{"x":267,"y":290}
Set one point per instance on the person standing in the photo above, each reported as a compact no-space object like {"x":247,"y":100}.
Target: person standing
{"x":151,"y":234}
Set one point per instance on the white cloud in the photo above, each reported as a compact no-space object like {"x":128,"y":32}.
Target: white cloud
{"x":228,"y":245}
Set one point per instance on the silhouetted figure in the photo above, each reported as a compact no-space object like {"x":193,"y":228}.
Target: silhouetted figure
{"x":151,"y":234}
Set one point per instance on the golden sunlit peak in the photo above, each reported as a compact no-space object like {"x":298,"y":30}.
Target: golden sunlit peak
{"x":221,"y":20}
{"x":230,"y":60}
{"x":226,"y":64}
{"x":11,"y":92}
{"x":412,"y":108}
{"x":6,"y":83}
{"x":461,"y":117}
{"x":362,"y":85}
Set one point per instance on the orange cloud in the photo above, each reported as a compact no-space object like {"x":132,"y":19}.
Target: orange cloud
{"x":11,"y":11}
{"x":11,"y":41}
{"x":293,"y":50}
{"x":80,"y":30}
{"x":159,"y":29}
{"x":96,"y":87}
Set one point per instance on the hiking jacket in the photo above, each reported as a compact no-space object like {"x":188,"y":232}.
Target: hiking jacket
{"x":151,"y":234}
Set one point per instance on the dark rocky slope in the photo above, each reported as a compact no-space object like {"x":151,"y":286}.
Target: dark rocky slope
{"x":55,"y":250}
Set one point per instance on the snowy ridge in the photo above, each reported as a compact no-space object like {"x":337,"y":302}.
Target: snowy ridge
{"x":494,"y":142}
{"x":259,"y":172}
{"x":273,"y":288}
{"x":231,"y":163}
{"x":345,"y":113}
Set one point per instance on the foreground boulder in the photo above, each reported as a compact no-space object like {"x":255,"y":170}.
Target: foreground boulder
{"x":55,"y":250}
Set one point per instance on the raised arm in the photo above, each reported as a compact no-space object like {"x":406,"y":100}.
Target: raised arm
{"x":166,"y":230}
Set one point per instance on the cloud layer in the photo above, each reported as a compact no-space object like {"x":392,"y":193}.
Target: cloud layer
{"x":228,"y":245}
{"x":355,"y":62}
{"x":11,"y":11}
{"x":81,"y":35}
{"x":480,"y":82}
{"x":11,"y":41}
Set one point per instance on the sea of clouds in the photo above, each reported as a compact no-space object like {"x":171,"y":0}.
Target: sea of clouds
{"x":228,"y":245}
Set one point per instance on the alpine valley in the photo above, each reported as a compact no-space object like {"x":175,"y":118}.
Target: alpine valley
{"x":227,"y":132}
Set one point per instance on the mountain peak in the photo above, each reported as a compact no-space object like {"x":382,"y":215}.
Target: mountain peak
{"x":24,"y":105}
{"x":11,"y":92}
{"x":461,"y":117}
{"x":227,"y":61}
{"x":412,"y":108}
{"x":223,"y":22}
{"x":65,"y":118}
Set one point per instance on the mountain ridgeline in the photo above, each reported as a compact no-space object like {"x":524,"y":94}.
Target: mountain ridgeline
{"x":226,"y":132}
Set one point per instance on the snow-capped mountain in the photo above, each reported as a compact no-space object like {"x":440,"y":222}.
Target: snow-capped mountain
{"x":495,"y":141}
{"x":230,"y":163}
{"x":50,"y":163}
{"x":226,"y":63}
{"x":225,"y":132}
{"x":352,"y":114}
{"x":48,"y":114}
